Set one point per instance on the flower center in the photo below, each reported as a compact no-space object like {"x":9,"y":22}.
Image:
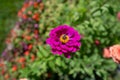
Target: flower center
{"x":64,"y":38}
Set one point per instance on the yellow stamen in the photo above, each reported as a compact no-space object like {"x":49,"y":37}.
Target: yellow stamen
{"x":64,"y":38}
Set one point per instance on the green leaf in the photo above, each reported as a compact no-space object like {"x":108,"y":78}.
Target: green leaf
{"x":43,"y":52}
{"x":58,"y":61}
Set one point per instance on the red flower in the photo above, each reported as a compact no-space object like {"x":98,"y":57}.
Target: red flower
{"x":28,"y":37}
{"x":35,"y":4}
{"x":21,"y":60}
{"x":19,"y":13}
{"x":36,"y":31}
{"x":97,"y":42}
{"x":23,"y":9}
{"x":26,"y":53}
{"x":36,"y":16}
{"x":24,"y":16}
{"x":14,"y":68}
{"x":1,"y":64}
{"x":26,"y":5}
{"x":30,"y":47}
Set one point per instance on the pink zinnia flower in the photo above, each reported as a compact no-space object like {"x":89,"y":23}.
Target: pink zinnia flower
{"x":64,"y":40}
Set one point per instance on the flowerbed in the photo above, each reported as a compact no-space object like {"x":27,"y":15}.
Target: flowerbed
{"x":78,"y":32}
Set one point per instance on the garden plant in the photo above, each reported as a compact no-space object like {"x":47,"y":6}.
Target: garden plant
{"x":63,"y":40}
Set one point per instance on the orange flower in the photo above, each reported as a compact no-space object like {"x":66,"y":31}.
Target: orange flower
{"x":6,"y":76}
{"x":14,"y":68}
{"x":106,"y":53}
{"x":32,"y":57}
{"x":35,"y":4}
{"x":115,"y":53}
{"x":26,"y":5}
{"x":8,"y":40}
{"x":26,"y":53}
{"x":1,"y":64}
{"x":21,"y":60}
{"x":19,"y":13}
{"x":23,"y":9}
{"x":36,"y":31}
{"x":29,"y":12}
{"x":30,"y":47}
{"x":36,"y":16}
{"x":41,"y":6}
{"x":28,"y":37}
{"x":24,"y":16}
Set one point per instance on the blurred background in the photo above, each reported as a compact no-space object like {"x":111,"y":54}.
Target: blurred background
{"x":8,"y":17}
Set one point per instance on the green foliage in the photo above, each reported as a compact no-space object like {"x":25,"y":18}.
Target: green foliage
{"x":94,"y":20}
